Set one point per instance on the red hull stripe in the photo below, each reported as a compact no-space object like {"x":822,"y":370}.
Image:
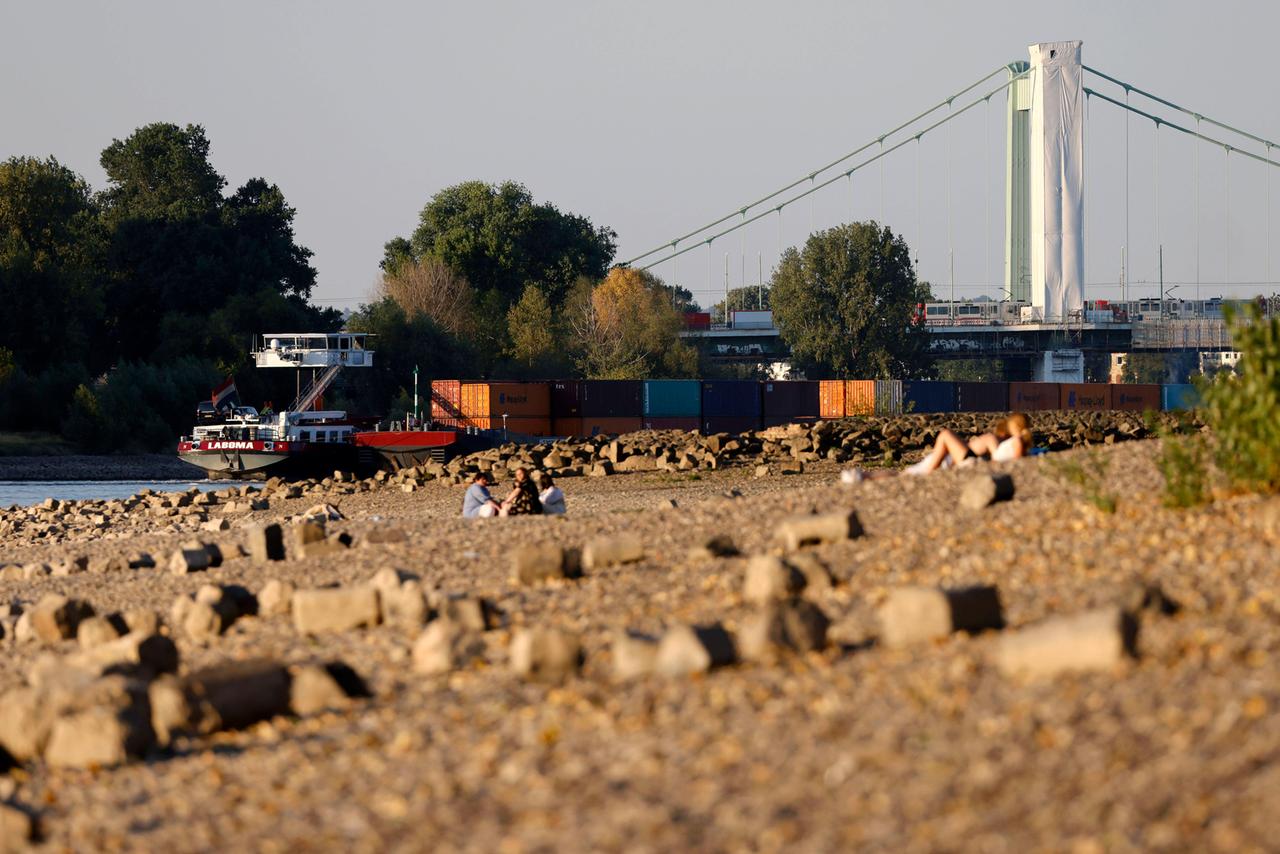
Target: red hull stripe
{"x":406,"y":439}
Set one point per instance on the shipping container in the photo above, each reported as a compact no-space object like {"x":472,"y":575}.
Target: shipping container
{"x":567,"y":427}
{"x":485,"y":400}
{"x":684,"y":423}
{"x":611,"y":426}
{"x":697,"y":320}
{"x":789,"y":398}
{"x":1033,"y":397}
{"x":859,"y":397}
{"x":982,"y":397}
{"x":612,"y":399}
{"x":514,"y":425}
{"x":673,"y":398}
{"x":1078,"y":396}
{"x":928,"y":396}
{"x":1135,"y":397}
{"x":751,"y":319}
{"x":566,"y":399}
{"x":733,"y":424}
{"x":1176,"y":397}
{"x":831,"y":398}
{"x":446,"y":399}
{"x":732,"y":398}
{"x":888,"y":397}
{"x":784,"y":420}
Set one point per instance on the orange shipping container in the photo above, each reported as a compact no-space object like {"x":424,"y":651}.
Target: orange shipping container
{"x":1135,"y":397}
{"x":831,"y":398}
{"x":486,"y":400}
{"x":860,"y":397}
{"x":567,"y":427}
{"x":611,"y":426}
{"x":1031,"y":397}
{"x":446,"y":399}
{"x":1077,"y":396}
{"x":515,"y":424}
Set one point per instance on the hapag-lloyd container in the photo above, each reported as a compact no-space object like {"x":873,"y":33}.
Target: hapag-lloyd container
{"x":1180,"y":396}
{"x":928,"y":396}
{"x":566,"y":399}
{"x":612,"y":399}
{"x":486,"y":400}
{"x":446,"y":400}
{"x":982,"y":397}
{"x":1033,"y":397}
{"x":731,"y":399}
{"x":1135,"y":397}
{"x":672,"y":398}
{"x":1084,"y":396}
{"x":791,"y":398}
{"x":831,"y":398}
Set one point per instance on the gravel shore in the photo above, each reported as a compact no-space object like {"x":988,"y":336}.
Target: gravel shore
{"x":855,"y":746}
{"x":99,"y":467}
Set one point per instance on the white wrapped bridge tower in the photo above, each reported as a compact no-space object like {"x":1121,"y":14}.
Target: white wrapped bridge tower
{"x":1044,"y":249}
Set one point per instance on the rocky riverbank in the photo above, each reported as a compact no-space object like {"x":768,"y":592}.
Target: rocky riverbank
{"x":710,"y":654}
{"x":98,"y":467}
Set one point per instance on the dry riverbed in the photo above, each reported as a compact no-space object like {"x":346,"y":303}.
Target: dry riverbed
{"x":924,"y":746}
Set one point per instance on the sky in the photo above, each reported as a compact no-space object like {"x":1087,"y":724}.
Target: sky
{"x":654,"y":118}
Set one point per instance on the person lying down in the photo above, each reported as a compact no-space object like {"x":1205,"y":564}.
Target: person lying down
{"x":1010,"y":439}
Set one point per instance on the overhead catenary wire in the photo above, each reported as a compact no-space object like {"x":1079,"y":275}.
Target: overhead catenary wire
{"x":828,"y":182}
{"x":671,"y":244}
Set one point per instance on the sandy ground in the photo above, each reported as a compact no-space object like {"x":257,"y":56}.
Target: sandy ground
{"x":856,"y":747}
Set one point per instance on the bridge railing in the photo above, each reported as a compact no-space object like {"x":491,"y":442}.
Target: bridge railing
{"x":1179,"y":334}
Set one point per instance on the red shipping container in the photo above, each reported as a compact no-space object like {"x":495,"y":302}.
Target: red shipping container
{"x":566,"y":399}
{"x":446,"y":399}
{"x":1033,"y":397}
{"x":732,"y":424}
{"x":523,"y":425}
{"x":567,"y":427}
{"x":611,"y":426}
{"x":1135,"y":397}
{"x":831,"y":398}
{"x":1090,"y":396}
{"x":859,"y":397}
{"x":672,"y":423}
{"x":699,"y":320}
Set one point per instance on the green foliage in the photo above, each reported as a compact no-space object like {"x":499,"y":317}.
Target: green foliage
{"x":750,"y":298}
{"x":971,"y":370}
{"x":532,"y":330}
{"x":139,"y":407}
{"x":500,"y":240}
{"x":1183,"y":461}
{"x":1089,"y":476}
{"x":846,"y":303}
{"x":1240,"y":408}
{"x":161,"y":171}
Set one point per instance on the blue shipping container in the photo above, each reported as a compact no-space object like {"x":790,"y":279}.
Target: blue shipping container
{"x":733,"y":398}
{"x":1183,"y":396}
{"x":928,"y":396}
{"x":673,"y":398}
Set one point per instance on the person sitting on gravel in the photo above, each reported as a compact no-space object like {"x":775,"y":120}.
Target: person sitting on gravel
{"x":523,"y":498}
{"x":551,"y":496}
{"x":1010,"y":440}
{"x":478,"y":503}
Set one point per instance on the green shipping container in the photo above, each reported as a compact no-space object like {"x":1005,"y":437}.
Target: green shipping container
{"x":672,"y":398}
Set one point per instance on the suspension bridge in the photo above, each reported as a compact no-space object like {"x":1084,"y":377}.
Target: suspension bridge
{"x":1045,"y":307}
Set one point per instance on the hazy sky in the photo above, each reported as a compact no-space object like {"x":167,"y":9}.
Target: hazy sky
{"x":655,"y":117}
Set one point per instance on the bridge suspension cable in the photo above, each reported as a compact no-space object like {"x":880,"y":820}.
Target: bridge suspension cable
{"x":814,"y":186}
{"x":811,"y":176}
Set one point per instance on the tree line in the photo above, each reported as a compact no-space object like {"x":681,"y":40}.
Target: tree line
{"x":124,"y":306}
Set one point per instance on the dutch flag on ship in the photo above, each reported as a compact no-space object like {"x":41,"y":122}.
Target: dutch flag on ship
{"x":225,"y":394}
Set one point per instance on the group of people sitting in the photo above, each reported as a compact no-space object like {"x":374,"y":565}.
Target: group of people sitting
{"x":525,"y":498}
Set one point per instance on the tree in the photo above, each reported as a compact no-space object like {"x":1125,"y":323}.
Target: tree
{"x":496,"y":237}
{"x":532,"y":330}
{"x":625,"y":328}
{"x":428,"y":287}
{"x":845,"y":304}
{"x":161,"y":171}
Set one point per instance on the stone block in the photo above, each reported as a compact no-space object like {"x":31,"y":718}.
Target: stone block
{"x":913,"y":615}
{"x":444,"y":646}
{"x":55,"y":618}
{"x":335,"y":609}
{"x":634,"y":655}
{"x":983,"y":490}
{"x":769,"y":578}
{"x":694,"y":649}
{"x":266,"y":542}
{"x":543,"y":562}
{"x":275,"y":598}
{"x":612,"y":551}
{"x":1093,"y":640}
{"x":545,"y":655}
{"x":791,"y":626}
{"x":799,"y":531}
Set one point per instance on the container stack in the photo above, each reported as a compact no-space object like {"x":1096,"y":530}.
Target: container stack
{"x":672,"y":404}
{"x":523,"y":408}
{"x":730,"y":406}
{"x":789,"y":402}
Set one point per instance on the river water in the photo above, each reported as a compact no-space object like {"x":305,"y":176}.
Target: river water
{"x":27,"y":492}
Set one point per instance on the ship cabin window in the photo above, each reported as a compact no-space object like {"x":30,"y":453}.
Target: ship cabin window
{"x":344,"y":343}
{"x":322,"y":435}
